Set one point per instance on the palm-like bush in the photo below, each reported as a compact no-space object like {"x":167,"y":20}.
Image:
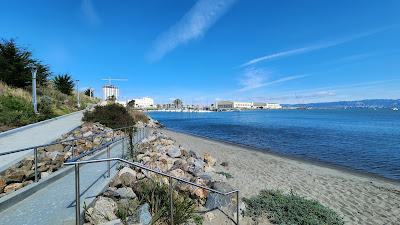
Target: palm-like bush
{"x":64,"y":84}
{"x":89,"y":92}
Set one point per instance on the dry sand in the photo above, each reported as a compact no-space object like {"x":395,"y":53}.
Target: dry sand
{"x":358,"y":198}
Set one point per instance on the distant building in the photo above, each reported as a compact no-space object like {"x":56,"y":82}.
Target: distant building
{"x":233,"y":105}
{"x":273,"y":106}
{"x":144,"y":102}
{"x":246,"y":105}
{"x":259,"y":105}
{"x":109,"y":91}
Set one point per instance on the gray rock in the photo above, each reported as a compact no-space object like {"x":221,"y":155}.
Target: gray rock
{"x":113,"y":222}
{"x":144,"y":214}
{"x":87,"y":134}
{"x":174,"y":151}
{"x":103,"y":211}
{"x":126,"y":192}
{"x":215,"y":200}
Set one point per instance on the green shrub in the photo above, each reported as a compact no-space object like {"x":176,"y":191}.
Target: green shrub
{"x":288,"y":209}
{"x":158,"y":197}
{"x":16,"y":111}
{"x":45,"y":106}
{"x":111,"y":115}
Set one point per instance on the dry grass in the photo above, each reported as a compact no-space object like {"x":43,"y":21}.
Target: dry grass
{"x":139,"y":116}
{"x":18,"y":92}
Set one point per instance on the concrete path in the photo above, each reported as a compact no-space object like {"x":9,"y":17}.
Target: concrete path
{"x":55,"y":204}
{"x":40,"y":134}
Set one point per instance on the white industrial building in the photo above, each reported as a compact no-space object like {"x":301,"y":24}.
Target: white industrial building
{"x":109,"y":91}
{"x":144,"y":102}
{"x":246,"y":105}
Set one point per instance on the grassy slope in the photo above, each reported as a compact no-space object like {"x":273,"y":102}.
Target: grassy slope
{"x":16,"y":105}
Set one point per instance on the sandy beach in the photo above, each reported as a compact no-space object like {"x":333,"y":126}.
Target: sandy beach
{"x":358,"y":198}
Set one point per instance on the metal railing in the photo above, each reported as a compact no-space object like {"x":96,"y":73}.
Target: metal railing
{"x":170,"y":177}
{"x":139,"y":135}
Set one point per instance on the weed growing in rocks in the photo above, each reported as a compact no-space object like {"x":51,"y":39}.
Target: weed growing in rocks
{"x":227,"y":175}
{"x":157,"y":195}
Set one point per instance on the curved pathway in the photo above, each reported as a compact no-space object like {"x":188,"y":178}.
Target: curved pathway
{"x":55,"y":204}
{"x":35,"y":134}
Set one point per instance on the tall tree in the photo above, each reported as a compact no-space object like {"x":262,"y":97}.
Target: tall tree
{"x":178,"y":103}
{"x":16,"y":64}
{"x":89,"y":92}
{"x":64,"y":83}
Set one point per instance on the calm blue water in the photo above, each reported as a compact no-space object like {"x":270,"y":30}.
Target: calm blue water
{"x":363,"y":140}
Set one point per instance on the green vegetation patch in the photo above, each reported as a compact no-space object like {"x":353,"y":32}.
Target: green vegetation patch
{"x":110,"y":115}
{"x":227,"y":175}
{"x":158,"y":197}
{"x":288,"y":209}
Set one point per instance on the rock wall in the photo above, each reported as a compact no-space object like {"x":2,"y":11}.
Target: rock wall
{"x":52,"y":157}
{"x":161,"y":153}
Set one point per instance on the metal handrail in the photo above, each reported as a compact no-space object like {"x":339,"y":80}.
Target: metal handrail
{"x":170,"y":177}
{"x":60,"y":142}
{"x":35,"y":148}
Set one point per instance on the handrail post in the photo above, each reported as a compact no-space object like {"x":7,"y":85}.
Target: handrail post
{"x":237,"y":208}
{"x":35,"y":152}
{"x":108,"y":162}
{"x":170,"y":200}
{"x":77,"y":196}
{"x":123,"y":146}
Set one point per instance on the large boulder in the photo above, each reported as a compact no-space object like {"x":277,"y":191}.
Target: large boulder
{"x":215,"y":200}
{"x":127,"y":176}
{"x":103,"y":210}
{"x":55,"y":148}
{"x":15,"y":176}
{"x":209,"y":159}
{"x":12,"y":187}
{"x":3,"y":184}
{"x":144,"y":215}
{"x":179,"y":173}
{"x":126,"y":192}
{"x":174,"y":151}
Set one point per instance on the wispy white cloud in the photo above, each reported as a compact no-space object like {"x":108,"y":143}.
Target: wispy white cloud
{"x":257,"y":78}
{"x":314,"y":47}
{"x":90,"y":12}
{"x":194,"y":24}
{"x":351,"y":58}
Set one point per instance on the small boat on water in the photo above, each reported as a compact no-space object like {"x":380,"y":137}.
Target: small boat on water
{"x":395,"y":109}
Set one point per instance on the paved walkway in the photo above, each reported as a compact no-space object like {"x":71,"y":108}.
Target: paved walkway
{"x":35,"y":135}
{"x":55,"y":204}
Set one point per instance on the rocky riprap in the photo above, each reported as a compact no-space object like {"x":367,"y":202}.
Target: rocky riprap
{"x":160,"y":153}
{"x":52,"y":157}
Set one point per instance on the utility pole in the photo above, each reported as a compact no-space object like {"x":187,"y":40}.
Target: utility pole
{"x":77,"y":93}
{"x":34,"y":101}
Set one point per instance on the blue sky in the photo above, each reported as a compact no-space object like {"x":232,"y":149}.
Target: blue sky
{"x":201,"y":51}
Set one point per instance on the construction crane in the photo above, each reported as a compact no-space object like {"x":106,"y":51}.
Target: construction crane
{"x":110,"y":79}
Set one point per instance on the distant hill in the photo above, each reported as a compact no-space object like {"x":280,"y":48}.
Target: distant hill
{"x":368,"y":103}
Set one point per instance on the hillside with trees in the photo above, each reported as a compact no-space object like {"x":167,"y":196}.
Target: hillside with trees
{"x":56,"y":94}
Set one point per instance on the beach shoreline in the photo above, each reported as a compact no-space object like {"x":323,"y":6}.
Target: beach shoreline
{"x":358,"y":197}
{"x":365,"y":174}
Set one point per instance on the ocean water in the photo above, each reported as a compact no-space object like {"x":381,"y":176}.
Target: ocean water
{"x":363,"y":140}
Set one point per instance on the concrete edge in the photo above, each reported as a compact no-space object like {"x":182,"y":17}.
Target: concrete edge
{"x":19,"y":195}
{"x":18,"y":129}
